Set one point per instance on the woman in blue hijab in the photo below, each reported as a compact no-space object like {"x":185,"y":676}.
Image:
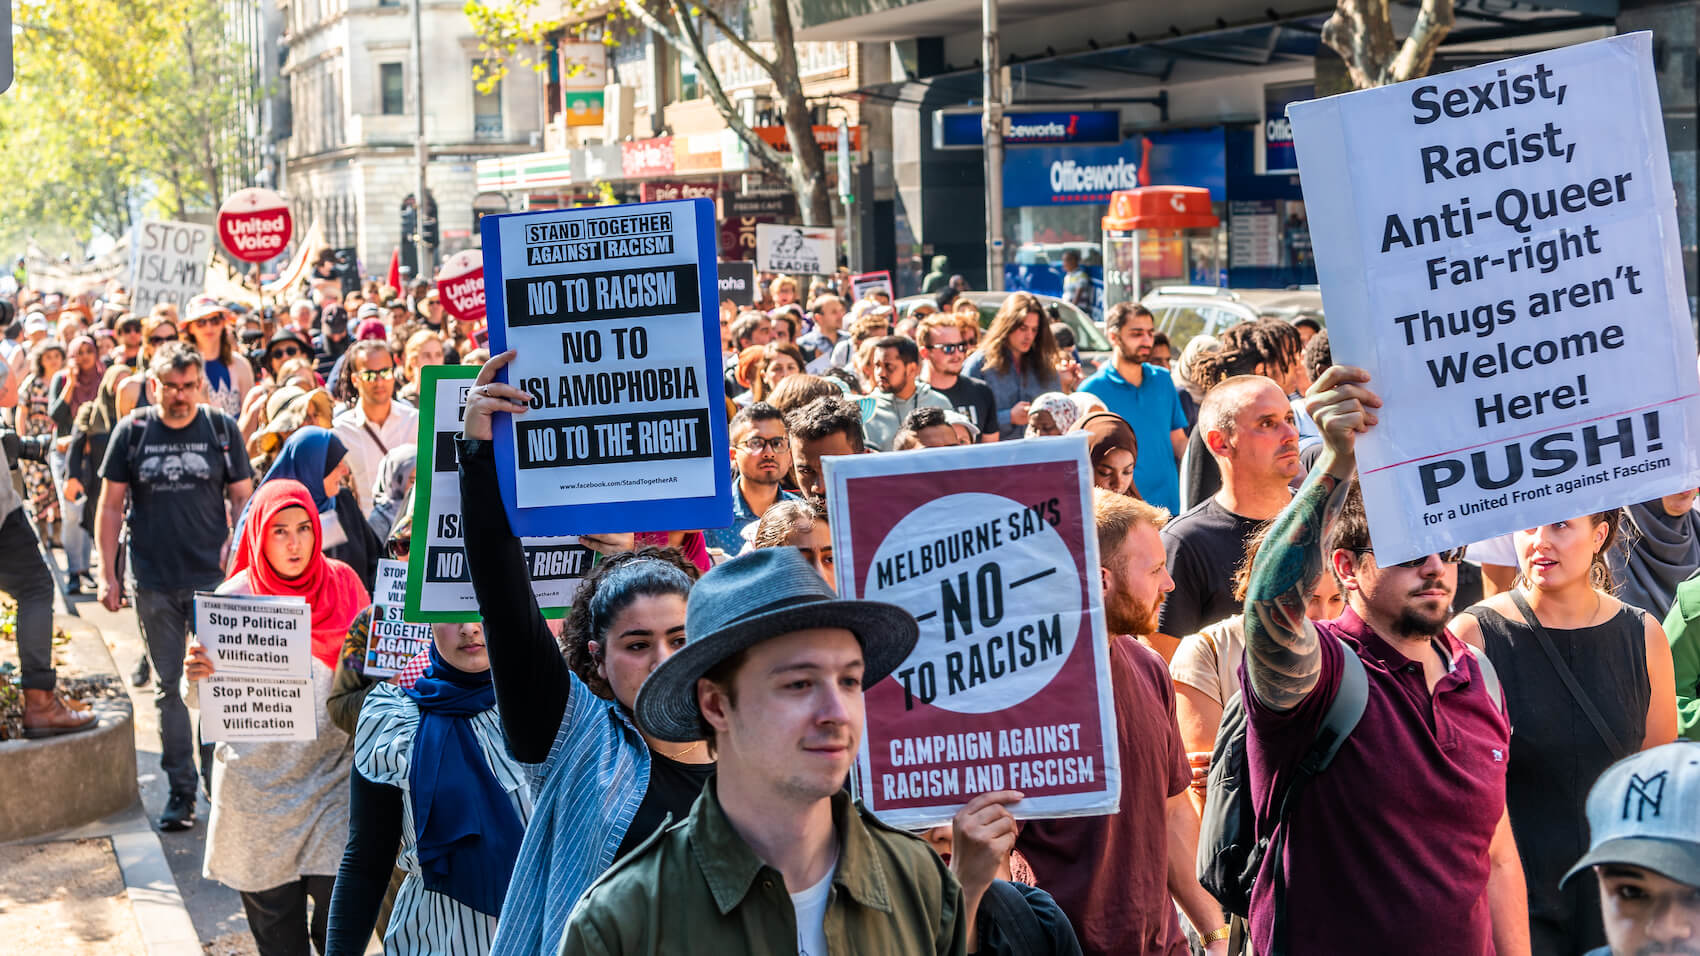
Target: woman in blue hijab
{"x":317,"y":458}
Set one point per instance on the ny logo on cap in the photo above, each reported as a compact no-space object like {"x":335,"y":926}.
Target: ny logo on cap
{"x":1651,"y":792}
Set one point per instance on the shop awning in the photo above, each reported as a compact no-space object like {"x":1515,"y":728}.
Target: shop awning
{"x":1160,"y":207}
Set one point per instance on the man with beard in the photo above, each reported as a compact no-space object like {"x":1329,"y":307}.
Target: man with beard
{"x":178,"y":527}
{"x":1145,"y":396}
{"x":1402,"y":845}
{"x":1115,"y":875}
{"x":1248,"y":427}
{"x":898,"y":390}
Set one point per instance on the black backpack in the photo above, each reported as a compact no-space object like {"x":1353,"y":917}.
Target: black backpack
{"x":144,"y":415}
{"x":1229,"y":850}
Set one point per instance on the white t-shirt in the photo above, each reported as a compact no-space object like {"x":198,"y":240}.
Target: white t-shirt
{"x":810,"y":905}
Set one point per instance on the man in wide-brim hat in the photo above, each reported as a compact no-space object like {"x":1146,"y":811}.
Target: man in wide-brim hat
{"x":774,"y":856}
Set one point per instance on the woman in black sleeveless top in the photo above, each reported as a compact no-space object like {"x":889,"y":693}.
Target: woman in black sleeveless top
{"x":1620,"y":663}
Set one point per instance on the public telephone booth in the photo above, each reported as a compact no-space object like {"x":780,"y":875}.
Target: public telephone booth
{"x":1157,"y":236}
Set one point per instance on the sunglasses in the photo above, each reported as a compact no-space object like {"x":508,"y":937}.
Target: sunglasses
{"x":955,"y":348}
{"x":1450,"y":556}
{"x":755,"y":445}
{"x":398,"y":547}
{"x":286,"y":351}
{"x":210,"y":320}
{"x":373,"y":375}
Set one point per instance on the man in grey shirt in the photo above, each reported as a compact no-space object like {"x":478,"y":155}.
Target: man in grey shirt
{"x":899,"y":389}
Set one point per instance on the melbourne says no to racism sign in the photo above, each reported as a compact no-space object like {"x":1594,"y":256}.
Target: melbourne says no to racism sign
{"x":1009,"y":684}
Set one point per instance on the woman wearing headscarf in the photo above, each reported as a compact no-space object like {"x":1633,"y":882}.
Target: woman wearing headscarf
{"x":280,"y":810}
{"x":1659,"y":549}
{"x":1052,"y":413}
{"x":317,"y":459}
{"x":393,"y":489}
{"x":1113,"y":450}
{"x":432,"y":770}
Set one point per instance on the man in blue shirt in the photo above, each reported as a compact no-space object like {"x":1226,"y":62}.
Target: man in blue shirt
{"x":761,"y":455}
{"x":1144,"y":395}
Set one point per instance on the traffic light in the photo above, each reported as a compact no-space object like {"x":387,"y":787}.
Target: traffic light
{"x":428,"y":225}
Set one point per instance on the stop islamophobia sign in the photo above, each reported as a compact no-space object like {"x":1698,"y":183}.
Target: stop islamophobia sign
{"x":254,"y":224}
{"x":460,"y":285}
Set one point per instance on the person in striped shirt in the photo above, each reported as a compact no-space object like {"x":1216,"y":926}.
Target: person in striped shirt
{"x":599,"y":785}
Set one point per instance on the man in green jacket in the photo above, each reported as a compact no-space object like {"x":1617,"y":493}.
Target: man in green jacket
{"x":774,"y":856}
{"x":1682,"y":629}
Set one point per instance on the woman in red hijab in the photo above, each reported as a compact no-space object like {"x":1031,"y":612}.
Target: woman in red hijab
{"x":280,"y":810}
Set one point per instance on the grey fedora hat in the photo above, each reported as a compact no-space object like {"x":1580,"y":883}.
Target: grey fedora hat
{"x":751,"y":598}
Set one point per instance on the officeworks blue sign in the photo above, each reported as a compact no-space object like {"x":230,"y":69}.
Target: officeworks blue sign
{"x":960,"y":129}
{"x":1057,"y":175}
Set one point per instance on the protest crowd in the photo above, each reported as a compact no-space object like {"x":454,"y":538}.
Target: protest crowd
{"x":1318,"y":752}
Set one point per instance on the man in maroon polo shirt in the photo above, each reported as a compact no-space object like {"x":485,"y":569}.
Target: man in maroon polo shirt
{"x":1402,"y":845}
{"x":1114,"y":876}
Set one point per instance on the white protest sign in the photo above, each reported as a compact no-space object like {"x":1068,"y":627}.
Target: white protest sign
{"x":796,"y":250}
{"x":392,"y":640}
{"x":994,"y":550}
{"x":439,"y":582}
{"x":168,"y":263}
{"x":256,"y":636}
{"x":257,"y":709}
{"x":613,"y":314}
{"x":1498,"y":247}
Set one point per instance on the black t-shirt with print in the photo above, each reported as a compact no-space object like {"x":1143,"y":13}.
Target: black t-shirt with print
{"x":177,"y":478}
{"x":972,"y":397}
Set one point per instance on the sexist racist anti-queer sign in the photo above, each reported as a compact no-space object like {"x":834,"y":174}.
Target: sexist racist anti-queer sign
{"x":613,"y":312}
{"x":1009,"y":684}
{"x":1498,"y":247}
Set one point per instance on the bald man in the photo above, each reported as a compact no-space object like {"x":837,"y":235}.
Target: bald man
{"x":1248,"y":428}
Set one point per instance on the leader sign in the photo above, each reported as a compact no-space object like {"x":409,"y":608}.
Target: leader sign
{"x":1498,"y":246}
{"x":1009,"y":684}
{"x":613,"y":313}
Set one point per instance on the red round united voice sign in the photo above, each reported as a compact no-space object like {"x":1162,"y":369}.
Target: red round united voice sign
{"x":254,"y":224}
{"x":460,"y":285}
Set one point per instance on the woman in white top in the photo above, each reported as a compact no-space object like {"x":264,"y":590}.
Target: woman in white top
{"x":280,"y":810}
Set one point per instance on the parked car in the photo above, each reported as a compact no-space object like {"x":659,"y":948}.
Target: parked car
{"x":1089,"y":338}
{"x":1184,"y":311}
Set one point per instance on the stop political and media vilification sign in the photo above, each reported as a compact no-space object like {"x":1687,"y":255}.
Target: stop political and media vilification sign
{"x":254,"y":224}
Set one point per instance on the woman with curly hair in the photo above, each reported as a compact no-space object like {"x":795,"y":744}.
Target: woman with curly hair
{"x":35,"y":397}
{"x":1018,"y":359}
{"x":600,"y":786}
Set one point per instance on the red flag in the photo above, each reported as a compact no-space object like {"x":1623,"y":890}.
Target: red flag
{"x":394,"y":278}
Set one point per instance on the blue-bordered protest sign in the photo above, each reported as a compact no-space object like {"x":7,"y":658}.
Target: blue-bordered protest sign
{"x":614,"y":314}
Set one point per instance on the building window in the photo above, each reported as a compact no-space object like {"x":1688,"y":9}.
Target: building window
{"x":486,"y":107}
{"x":392,"y":89}
{"x":681,"y":77}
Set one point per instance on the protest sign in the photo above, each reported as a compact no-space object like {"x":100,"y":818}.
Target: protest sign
{"x":738,"y":283}
{"x":614,"y":315}
{"x":254,"y":224}
{"x":1498,"y":247}
{"x":262,"y":654}
{"x":257,"y":709}
{"x":168,"y":263}
{"x":439,"y":583}
{"x":866,"y":282}
{"x":256,"y":636}
{"x":796,"y":250}
{"x":460,"y":285}
{"x":1009,"y":685}
{"x":392,"y":640}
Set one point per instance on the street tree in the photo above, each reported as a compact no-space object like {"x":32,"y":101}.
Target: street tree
{"x":508,"y":30}
{"x":1361,"y":31}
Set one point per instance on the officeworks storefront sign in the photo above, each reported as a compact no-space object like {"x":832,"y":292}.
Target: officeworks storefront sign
{"x":960,"y":129}
{"x":1057,"y":175}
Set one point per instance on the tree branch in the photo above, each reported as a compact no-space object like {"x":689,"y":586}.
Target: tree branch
{"x":693,"y":48}
{"x":743,"y":45}
{"x":1434,"y":22}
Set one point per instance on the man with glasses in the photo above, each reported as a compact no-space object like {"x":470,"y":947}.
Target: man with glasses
{"x":945,"y":348}
{"x":1145,"y":397}
{"x":179,"y":463}
{"x":1406,"y":829}
{"x":898,"y":390}
{"x":376,"y":422}
{"x":761,"y":456}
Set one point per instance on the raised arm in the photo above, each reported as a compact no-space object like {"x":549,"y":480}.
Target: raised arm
{"x":1282,"y":658}
{"x":530,"y":674}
